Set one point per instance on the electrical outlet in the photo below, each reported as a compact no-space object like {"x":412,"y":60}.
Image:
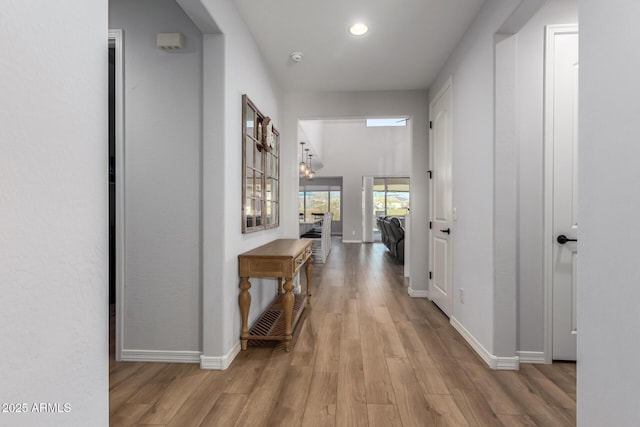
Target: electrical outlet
{"x":461,"y":296}
{"x":353,"y":232}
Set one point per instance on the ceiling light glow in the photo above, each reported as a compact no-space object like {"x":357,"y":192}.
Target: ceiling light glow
{"x":358,"y":29}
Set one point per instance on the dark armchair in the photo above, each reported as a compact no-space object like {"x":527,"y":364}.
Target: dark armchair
{"x":392,"y":234}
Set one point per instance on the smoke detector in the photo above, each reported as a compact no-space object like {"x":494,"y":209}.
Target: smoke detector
{"x":296,"y":56}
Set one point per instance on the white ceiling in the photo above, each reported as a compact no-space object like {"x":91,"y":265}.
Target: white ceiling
{"x":407,"y":43}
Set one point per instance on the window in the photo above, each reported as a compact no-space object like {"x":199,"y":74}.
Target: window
{"x":390,"y":197}
{"x":260,"y":179}
{"x":316,"y":202}
{"x":387,"y":122}
{"x":319,"y":199}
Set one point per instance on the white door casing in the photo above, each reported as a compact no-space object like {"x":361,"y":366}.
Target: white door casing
{"x":561,"y":188}
{"x":115,"y":40}
{"x":440,"y":233}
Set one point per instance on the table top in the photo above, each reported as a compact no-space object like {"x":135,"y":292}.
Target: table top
{"x":279,"y":248}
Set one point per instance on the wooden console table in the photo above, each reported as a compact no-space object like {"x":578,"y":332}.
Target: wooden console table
{"x":280,"y":259}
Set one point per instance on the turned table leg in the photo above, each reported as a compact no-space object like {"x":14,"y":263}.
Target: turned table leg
{"x":287,"y":304}
{"x":308,"y":269}
{"x":244,"y":300}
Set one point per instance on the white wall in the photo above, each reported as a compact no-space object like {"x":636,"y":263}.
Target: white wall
{"x":53,"y":205}
{"x":505,"y":198}
{"x":310,"y":132}
{"x":412,"y":104}
{"x":609,"y":178}
{"x":233,"y":67}
{"x":498,"y":173}
{"x":530,"y":78}
{"x":162,"y":177}
{"x":352,"y":150}
{"x":471,"y":67}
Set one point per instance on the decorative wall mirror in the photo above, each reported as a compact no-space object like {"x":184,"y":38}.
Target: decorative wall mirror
{"x":261,"y":170}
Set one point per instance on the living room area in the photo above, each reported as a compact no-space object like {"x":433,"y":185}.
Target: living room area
{"x":358,"y":170}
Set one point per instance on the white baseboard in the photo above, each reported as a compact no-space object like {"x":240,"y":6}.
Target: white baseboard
{"x":220,"y":363}
{"x":531,"y":357}
{"x":494,"y":362}
{"x":417,"y":294}
{"x":507,"y":363}
{"x":160,"y":356}
{"x":352,"y":241}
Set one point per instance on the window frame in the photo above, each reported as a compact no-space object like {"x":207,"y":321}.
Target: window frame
{"x":303,"y":193}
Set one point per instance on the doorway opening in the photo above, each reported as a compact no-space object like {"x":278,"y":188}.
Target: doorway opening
{"x":112,"y":178}
{"x":391,"y":197}
{"x":116,"y":193}
{"x":352,"y":148}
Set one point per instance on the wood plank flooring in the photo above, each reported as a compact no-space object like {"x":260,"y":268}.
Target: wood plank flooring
{"x":366,"y":355}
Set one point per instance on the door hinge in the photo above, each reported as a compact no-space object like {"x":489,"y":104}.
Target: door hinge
{"x":430,"y":124}
{"x":430,"y":224}
{"x":430,"y":275}
{"x":430,"y":174}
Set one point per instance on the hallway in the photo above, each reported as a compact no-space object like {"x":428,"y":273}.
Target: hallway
{"x":367,"y":354}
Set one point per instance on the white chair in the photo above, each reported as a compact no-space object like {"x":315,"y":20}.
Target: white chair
{"x":321,"y":245}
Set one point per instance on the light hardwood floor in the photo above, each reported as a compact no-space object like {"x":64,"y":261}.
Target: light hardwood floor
{"x":366,"y":355}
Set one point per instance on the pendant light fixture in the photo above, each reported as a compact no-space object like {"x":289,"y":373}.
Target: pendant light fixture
{"x":311,"y":173}
{"x":308,"y":169}
{"x":303,"y":165}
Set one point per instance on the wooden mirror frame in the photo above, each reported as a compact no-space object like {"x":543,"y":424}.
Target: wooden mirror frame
{"x":260,"y":170}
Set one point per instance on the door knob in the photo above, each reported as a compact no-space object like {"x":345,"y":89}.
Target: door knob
{"x":448,"y":231}
{"x":562,"y":239}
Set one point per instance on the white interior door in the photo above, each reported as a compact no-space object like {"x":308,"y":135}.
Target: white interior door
{"x":563,"y":132}
{"x":440,"y":242}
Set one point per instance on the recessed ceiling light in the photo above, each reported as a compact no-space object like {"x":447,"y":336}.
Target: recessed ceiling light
{"x":358,"y":29}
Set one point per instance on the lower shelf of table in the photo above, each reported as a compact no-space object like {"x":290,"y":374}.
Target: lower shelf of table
{"x":270,"y":326}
